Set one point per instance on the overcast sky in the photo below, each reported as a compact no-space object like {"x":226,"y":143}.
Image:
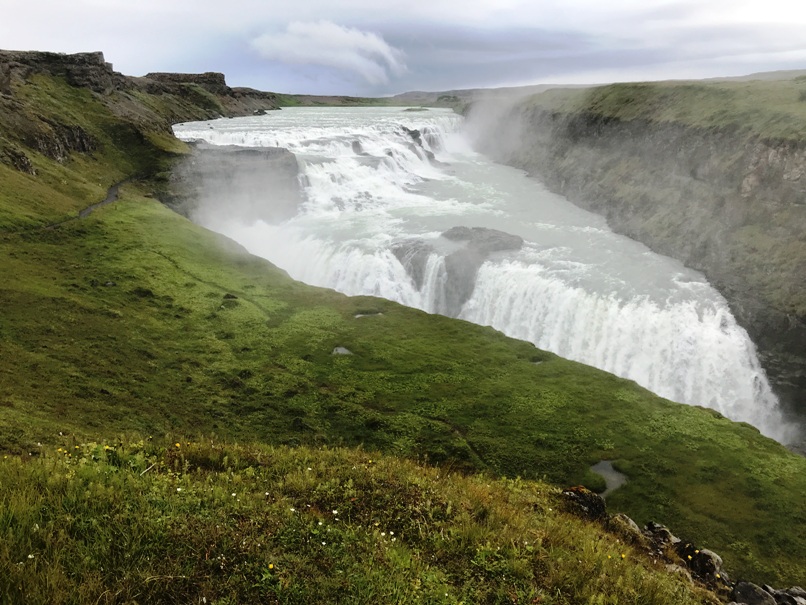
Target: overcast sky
{"x":376,"y":47}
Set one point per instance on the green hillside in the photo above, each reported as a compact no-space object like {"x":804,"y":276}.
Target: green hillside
{"x":770,"y":109}
{"x":133,"y":323}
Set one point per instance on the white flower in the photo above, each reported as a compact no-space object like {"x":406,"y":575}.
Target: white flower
{"x":30,"y":556}
{"x":233,"y":494}
{"x":335,"y":512}
{"x":293,"y":510}
{"x":320,"y":523}
{"x":383,"y":533}
{"x":179,"y":489}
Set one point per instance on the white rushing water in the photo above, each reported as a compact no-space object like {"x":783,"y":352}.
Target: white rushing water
{"x":574,"y":288}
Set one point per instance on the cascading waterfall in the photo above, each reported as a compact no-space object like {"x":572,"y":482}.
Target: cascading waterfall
{"x":382,"y":188}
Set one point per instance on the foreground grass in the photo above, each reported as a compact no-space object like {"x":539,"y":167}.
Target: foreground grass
{"x":194,"y":522}
{"x":135,"y":320}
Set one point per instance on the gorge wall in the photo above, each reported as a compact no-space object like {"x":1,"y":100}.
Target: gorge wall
{"x":723,"y":200}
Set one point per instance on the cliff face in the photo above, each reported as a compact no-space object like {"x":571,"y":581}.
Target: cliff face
{"x":47,"y":119}
{"x":724,"y":202}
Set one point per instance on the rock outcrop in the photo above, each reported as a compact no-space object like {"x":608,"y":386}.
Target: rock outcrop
{"x":469,"y":248}
{"x":85,"y":70}
{"x":221,"y":182}
{"x":175,"y":98}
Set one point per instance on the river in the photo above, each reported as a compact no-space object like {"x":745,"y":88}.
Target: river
{"x":378,"y":197}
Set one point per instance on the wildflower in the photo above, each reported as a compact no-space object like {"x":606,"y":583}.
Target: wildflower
{"x":323,"y":543}
{"x":391,"y":533}
{"x":689,"y":557}
{"x":30,"y":556}
{"x":623,"y":556}
{"x":179,"y":489}
{"x":233,"y":494}
{"x":320,"y":523}
{"x":383,"y":533}
{"x":293,"y":510}
{"x":271,"y":565}
{"x":178,"y":444}
{"x":309,"y":468}
{"x":718,"y":576}
{"x":335,"y":512}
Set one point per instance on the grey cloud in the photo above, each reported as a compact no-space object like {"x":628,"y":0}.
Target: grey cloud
{"x":325,"y":43}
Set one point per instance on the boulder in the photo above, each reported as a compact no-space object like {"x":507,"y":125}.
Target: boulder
{"x":628,"y":529}
{"x":584,"y":503}
{"x":751,"y":594}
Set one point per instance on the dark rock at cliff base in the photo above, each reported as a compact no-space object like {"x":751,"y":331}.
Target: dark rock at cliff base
{"x":750,"y":594}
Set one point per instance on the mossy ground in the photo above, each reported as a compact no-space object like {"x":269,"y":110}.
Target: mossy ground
{"x":196,"y":522}
{"x":135,"y":321}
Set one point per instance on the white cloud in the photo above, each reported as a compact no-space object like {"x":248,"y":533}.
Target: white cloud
{"x":327,"y":44}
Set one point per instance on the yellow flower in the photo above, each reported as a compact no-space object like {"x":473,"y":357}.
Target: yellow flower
{"x":623,"y":556}
{"x":271,"y":565}
{"x":689,"y":557}
{"x":178,"y":444}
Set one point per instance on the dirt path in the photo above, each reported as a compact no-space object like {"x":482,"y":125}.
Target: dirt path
{"x":111,"y":196}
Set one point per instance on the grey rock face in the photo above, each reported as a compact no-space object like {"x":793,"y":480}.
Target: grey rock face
{"x":475,"y":245}
{"x":246,"y":183}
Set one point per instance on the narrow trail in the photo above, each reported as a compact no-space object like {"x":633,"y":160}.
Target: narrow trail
{"x":111,"y":196}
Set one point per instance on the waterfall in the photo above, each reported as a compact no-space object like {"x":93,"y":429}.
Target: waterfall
{"x":382,"y":187}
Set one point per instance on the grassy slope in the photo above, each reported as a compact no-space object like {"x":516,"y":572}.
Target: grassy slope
{"x":198,"y":522}
{"x":774,"y":110}
{"x":164,"y":349}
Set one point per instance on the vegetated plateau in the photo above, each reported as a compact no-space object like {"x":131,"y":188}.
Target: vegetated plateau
{"x":163,"y":395}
